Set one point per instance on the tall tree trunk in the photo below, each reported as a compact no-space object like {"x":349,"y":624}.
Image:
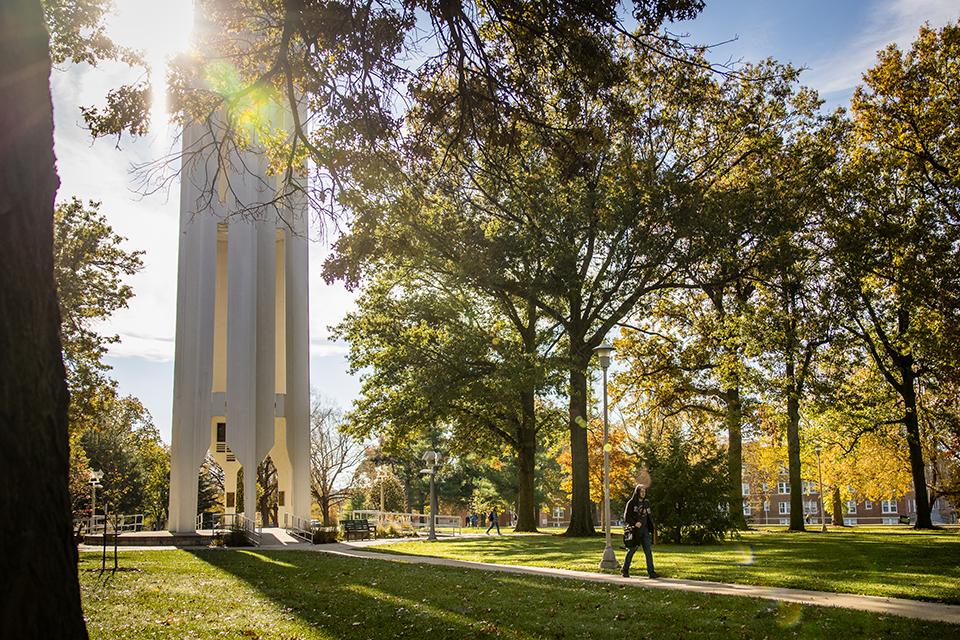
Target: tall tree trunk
{"x":527,"y":432}
{"x":793,"y":413}
{"x":735,"y":454}
{"x":527,"y":461}
{"x":911,"y":423}
{"x":793,"y":431}
{"x":325,"y":511}
{"x":39,"y":593}
{"x":581,"y":516}
{"x":837,"y":508}
{"x":793,"y":461}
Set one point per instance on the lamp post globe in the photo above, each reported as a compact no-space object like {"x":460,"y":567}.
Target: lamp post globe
{"x":609,"y":560}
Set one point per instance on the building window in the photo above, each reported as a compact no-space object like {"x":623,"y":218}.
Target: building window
{"x":783,"y":488}
{"x":744,"y":488}
{"x":867,"y":504}
{"x":888,"y":506}
{"x":784,"y":521}
{"x":766,"y":506}
{"x":231,"y":499}
{"x":221,"y":432}
{"x":850,"y":522}
{"x":765,"y":487}
{"x":747,"y":509}
{"x":809,"y":487}
{"x":280,"y":498}
{"x":890,"y":521}
{"x":810,"y":506}
{"x":851,"y":506}
{"x":784,"y":508}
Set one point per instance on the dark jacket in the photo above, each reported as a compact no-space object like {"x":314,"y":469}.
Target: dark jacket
{"x":637,"y":514}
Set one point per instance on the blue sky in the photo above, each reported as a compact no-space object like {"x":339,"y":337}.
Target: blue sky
{"x":836,"y":41}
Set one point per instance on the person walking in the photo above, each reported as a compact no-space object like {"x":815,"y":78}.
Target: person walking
{"x":494,"y":522}
{"x":638,"y":521}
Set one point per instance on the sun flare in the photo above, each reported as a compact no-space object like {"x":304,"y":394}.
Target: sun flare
{"x":160,"y":30}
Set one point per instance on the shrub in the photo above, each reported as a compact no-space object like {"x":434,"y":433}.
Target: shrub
{"x":689,"y":490}
{"x":236,"y":537}
{"x":325,"y":535}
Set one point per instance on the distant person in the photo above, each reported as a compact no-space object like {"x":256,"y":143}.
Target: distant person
{"x":637,"y":518}
{"x":494,"y":522}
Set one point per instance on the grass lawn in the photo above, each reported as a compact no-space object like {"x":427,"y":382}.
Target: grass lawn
{"x":302,"y":594}
{"x":898,"y":562}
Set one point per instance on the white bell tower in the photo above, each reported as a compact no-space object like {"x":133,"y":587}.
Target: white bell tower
{"x":241,"y":370}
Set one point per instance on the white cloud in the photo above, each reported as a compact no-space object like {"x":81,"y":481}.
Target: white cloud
{"x":324,"y":349}
{"x":892,"y":21}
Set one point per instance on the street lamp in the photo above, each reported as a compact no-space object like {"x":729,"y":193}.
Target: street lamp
{"x":381,"y":477}
{"x":609,"y":560}
{"x":94,"y":479}
{"x":823,"y":514}
{"x":431,"y":458}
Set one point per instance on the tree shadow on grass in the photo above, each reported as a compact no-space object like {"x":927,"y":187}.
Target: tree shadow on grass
{"x":345,"y":597}
{"x":366,"y":598}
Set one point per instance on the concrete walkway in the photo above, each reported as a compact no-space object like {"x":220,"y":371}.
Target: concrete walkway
{"x":875,"y":604}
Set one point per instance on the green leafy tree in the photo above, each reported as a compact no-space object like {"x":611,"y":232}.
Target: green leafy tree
{"x":895,"y":231}
{"x":580,"y":222}
{"x":90,"y":266}
{"x":796,"y":311}
{"x":908,"y":106}
{"x":126,"y":447}
{"x":437,"y":352}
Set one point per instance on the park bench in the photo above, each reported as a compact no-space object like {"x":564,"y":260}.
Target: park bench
{"x":358,"y":529}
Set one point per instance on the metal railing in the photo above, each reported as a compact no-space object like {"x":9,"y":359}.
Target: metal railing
{"x":220,"y":523}
{"x":417,"y":521}
{"x":298,"y":527}
{"x":115,"y":524}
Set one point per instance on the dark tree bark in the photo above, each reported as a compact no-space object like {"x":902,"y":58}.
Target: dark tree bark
{"x":325,"y":511}
{"x":909,"y":394}
{"x":39,"y":592}
{"x":793,"y":462}
{"x":581,"y":516}
{"x":897,"y":366}
{"x":734,"y":419}
{"x":527,"y":429}
{"x":837,"y":508}
{"x":527,"y":460}
{"x":793,"y":419}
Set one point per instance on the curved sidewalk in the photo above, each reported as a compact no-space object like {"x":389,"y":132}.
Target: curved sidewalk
{"x":876,"y":604}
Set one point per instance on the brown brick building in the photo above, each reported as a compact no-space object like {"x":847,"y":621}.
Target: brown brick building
{"x":767,"y":504}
